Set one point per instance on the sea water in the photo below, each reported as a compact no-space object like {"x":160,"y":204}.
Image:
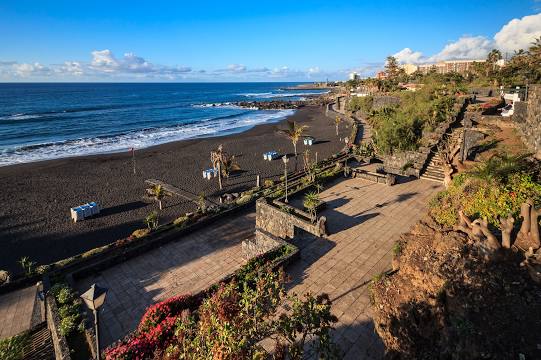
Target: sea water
{"x":48,"y":121}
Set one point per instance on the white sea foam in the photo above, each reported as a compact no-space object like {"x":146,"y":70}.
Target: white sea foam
{"x":138,"y":139}
{"x":226,"y":105}
{"x":21,"y":116}
{"x":269,"y":95}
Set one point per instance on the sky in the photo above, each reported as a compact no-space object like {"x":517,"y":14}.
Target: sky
{"x":182,"y":41}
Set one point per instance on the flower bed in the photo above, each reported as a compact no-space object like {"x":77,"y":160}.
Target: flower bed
{"x":157,"y":326}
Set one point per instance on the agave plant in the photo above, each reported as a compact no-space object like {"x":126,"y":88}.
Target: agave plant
{"x":27,"y":265}
{"x":152,"y":220}
{"x":294,"y":133}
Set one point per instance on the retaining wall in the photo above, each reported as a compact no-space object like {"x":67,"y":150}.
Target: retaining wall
{"x":282,"y":224}
{"x":61,"y":349}
{"x":527,"y":117}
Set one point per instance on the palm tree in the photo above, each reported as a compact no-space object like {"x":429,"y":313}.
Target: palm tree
{"x":158,"y":193}
{"x":217,"y":159}
{"x":293,"y":133}
{"x":337,"y":122}
{"x":223,"y":163}
{"x":535,"y":49}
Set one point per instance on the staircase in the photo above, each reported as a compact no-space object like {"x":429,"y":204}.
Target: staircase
{"x":434,"y":170}
{"x":40,"y":345}
{"x":365,"y":132}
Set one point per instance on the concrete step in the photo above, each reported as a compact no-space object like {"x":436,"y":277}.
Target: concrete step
{"x":434,"y":166}
{"x":432,"y":179}
{"x":434,"y":175}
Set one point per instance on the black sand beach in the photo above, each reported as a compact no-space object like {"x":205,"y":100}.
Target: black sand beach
{"x":36,"y":197}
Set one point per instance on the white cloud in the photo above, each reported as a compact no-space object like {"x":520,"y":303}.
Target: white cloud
{"x":236,"y":68}
{"x":519,"y":33}
{"x":467,"y":47}
{"x":104,"y":60}
{"x":26,"y":70}
{"x":516,"y":34}
{"x":71,"y":67}
{"x":408,"y":56}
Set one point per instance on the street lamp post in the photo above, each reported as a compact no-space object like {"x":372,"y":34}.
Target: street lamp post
{"x":94,"y":299}
{"x":285,"y":160}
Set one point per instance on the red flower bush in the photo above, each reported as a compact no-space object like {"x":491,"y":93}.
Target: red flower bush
{"x":155,"y":331}
{"x":156,"y":313}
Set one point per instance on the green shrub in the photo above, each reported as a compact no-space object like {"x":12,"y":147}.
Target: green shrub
{"x":243,"y":199}
{"x":490,"y":191}
{"x":268,"y":183}
{"x":363,"y":103}
{"x":397,"y":248}
{"x":69,"y":307}
{"x":181,"y":221}
{"x":12,"y":348}
{"x":68,"y":324}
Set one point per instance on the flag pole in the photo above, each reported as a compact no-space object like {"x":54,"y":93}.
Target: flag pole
{"x":133,"y":159}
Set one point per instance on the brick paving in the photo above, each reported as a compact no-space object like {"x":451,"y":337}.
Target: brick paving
{"x":186,"y":266}
{"x":364,"y":220}
{"x":16,"y":310}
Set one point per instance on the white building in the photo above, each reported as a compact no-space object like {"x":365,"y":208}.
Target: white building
{"x":354,"y":76}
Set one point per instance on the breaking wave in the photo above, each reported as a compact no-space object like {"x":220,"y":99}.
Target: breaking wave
{"x":140,"y":138}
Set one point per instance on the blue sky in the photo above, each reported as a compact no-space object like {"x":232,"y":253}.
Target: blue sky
{"x":247,"y":41}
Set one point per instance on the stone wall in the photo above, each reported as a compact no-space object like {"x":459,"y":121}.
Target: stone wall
{"x":485,"y":91}
{"x":282,"y":224}
{"x":340,"y":106}
{"x":527,"y":117}
{"x":60,"y":344}
{"x":259,"y":244}
{"x":388,"y":179}
{"x":384,"y":101}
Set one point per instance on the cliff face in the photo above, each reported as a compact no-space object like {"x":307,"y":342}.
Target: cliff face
{"x":447,"y":302}
{"x":527,"y":117}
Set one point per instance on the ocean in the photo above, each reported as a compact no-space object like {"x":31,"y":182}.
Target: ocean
{"x":50,"y":121}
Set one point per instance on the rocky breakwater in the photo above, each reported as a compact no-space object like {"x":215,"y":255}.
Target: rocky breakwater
{"x":271,"y":105}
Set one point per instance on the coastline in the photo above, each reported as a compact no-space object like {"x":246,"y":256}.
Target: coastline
{"x":37,"y":196}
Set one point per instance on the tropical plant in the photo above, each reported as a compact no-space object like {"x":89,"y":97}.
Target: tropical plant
{"x":223,"y":163}
{"x":158,"y":193}
{"x":152,"y":220}
{"x":311,"y":202}
{"x":28,"y":265}
{"x":217,"y":158}
{"x":294,"y":133}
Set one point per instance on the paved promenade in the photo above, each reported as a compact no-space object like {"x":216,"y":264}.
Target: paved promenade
{"x":187,"y":266}
{"x":16,"y":310}
{"x":364,"y":220}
